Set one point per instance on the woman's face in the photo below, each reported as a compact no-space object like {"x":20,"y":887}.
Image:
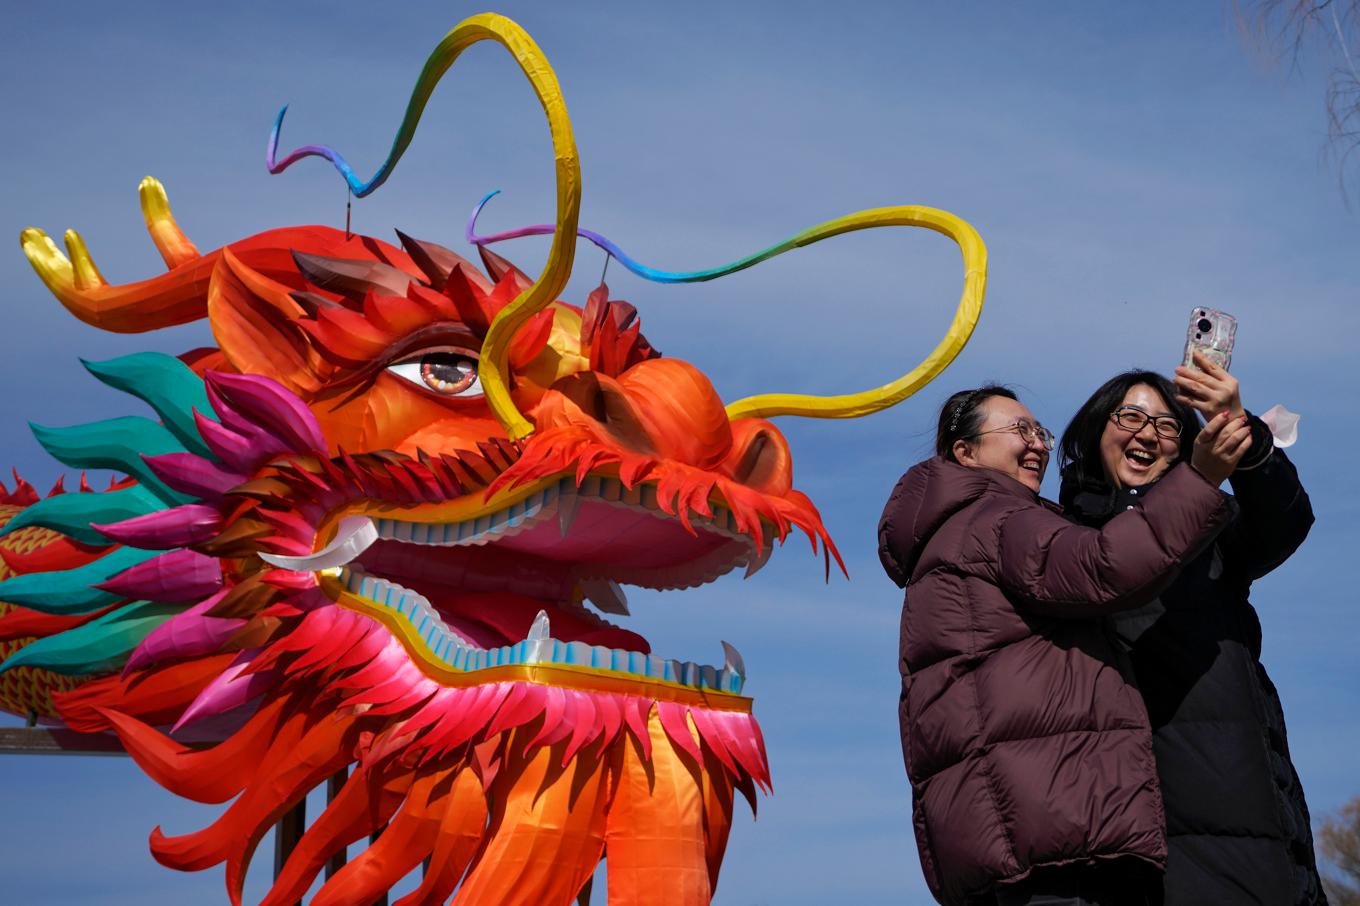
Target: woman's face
{"x":1000,"y":447}
{"x":1132,"y":458}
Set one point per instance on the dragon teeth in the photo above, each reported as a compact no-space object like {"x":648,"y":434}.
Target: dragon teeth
{"x":354,"y":536}
{"x":357,"y":533}
{"x":567,"y":509}
{"x":563,"y":499}
{"x":538,"y":644}
{"x":538,"y":647}
{"x":758,"y":560}
{"x":482,"y":529}
{"x":732,"y":659}
{"x":540,"y":628}
{"x":606,"y":595}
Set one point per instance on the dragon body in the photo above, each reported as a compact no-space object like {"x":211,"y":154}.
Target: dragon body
{"x":383,"y":527}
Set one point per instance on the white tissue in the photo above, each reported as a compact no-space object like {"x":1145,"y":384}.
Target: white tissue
{"x":1283,"y":425}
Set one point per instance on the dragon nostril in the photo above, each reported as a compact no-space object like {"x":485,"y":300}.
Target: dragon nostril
{"x":608,"y":405}
{"x":753,"y":461}
{"x":587,"y":393}
{"x":764,"y":463}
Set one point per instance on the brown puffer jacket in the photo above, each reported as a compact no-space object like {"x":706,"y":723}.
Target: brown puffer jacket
{"x":1025,"y":744}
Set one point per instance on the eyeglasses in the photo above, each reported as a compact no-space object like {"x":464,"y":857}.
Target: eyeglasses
{"x":1028,"y":433}
{"x":1131,"y":418}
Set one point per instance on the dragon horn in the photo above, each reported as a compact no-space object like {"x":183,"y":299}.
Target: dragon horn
{"x":855,"y":405}
{"x":170,"y":240}
{"x":851,"y":405}
{"x":496,"y":346}
{"x":175,"y":298}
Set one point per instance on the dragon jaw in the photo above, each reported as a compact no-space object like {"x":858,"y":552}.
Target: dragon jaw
{"x":498,"y":581}
{"x":508,"y":586}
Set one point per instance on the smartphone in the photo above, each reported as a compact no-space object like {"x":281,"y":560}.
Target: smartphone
{"x":1211,"y":333}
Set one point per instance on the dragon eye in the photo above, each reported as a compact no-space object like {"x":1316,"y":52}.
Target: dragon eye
{"x":447,"y":372}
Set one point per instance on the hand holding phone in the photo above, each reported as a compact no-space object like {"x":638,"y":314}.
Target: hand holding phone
{"x":1203,"y":380}
{"x":1208,"y":388}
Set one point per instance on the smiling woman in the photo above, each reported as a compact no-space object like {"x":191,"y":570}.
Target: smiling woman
{"x":1237,"y":823}
{"x":1028,"y":752}
{"x":1137,"y":426}
{"x":989,"y":428}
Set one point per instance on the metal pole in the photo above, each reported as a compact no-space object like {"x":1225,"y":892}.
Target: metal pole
{"x":333,"y":786}
{"x":287,"y":833}
{"x":373,"y":838}
{"x":38,"y":740}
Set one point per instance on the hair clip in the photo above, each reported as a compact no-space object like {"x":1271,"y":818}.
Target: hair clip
{"x":960,"y":409}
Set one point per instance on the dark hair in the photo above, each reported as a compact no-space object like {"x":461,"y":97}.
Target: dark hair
{"x":1079,"y":451}
{"x":961,"y":417}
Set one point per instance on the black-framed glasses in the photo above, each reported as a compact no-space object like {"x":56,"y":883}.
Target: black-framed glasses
{"x":1028,"y":433}
{"x":1131,"y":418}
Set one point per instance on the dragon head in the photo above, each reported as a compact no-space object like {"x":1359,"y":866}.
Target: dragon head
{"x":346,"y":444}
{"x":386,"y":523}
{"x":327,"y":519}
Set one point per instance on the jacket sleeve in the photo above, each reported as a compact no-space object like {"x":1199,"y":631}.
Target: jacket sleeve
{"x":1275,"y":511}
{"x":1056,"y":567}
{"x":888,"y":529}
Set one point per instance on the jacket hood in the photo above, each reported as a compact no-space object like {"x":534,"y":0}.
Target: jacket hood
{"x":924,"y":499}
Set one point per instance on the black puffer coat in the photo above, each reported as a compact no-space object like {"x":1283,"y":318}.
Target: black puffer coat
{"x":1237,"y":825}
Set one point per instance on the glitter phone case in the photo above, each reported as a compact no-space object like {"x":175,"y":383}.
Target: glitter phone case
{"x":1211,"y":333}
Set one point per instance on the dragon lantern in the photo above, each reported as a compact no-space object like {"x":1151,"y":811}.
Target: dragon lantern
{"x":384,"y":525}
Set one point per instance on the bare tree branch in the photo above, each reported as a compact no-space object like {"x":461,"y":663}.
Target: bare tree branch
{"x":1289,"y":29}
{"x":1339,"y":841}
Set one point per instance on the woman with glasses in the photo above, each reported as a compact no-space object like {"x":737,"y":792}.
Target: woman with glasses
{"x":1028,"y":750}
{"x":1236,"y":820}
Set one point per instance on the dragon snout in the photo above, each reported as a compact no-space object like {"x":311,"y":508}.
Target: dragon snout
{"x":667,"y":408}
{"x":602,"y":406}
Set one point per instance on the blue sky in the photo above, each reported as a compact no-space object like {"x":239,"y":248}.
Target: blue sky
{"x":1123,"y":162}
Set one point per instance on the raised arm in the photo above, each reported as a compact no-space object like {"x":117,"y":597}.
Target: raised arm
{"x":1275,"y":511}
{"x":1057,"y":567}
